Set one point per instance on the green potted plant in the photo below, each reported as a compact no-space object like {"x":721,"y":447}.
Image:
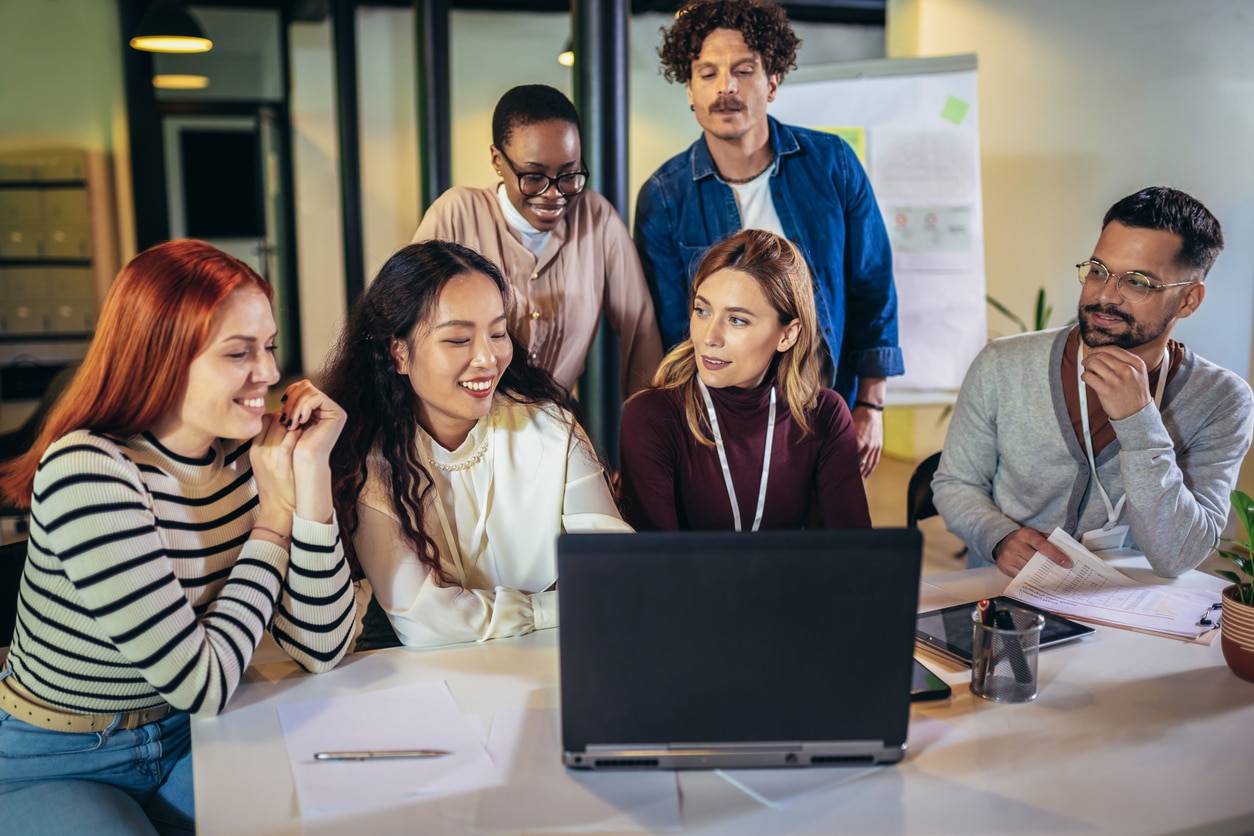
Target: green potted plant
{"x":1237,"y":622}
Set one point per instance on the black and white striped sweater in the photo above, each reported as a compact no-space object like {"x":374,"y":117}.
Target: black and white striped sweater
{"x":142,"y":586}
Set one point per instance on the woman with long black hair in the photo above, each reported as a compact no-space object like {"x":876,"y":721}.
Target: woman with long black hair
{"x":463,"y":462}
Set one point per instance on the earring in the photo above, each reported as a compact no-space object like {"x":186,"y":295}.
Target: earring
{"x":498,"y":172}
{"x":693,"y":108}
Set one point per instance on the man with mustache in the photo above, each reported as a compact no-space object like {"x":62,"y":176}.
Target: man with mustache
{"x":1109,"y":429}
{"x":749,"y":171}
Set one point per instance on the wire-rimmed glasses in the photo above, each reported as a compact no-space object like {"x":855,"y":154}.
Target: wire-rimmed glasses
{"x":1131,"y":286}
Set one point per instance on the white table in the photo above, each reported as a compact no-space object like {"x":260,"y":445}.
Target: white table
{"x":1130,"y":734}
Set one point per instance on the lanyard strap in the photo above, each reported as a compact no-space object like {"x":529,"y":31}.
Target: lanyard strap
{"x":1112,"y":511}
{"x":722,"y":458}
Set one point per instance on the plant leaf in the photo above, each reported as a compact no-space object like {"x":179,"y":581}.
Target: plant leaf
{"x":1006,"y":312}
{"x":1241,"y":560}
{"x":1244,"y":506}
{"x":1039,"y":310}
{"x":1232,"y":576}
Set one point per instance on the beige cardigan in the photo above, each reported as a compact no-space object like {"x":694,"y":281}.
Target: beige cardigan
{"x":588,"y":267}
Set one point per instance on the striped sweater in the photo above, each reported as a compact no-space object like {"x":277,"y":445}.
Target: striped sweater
{"x":142,"y":586}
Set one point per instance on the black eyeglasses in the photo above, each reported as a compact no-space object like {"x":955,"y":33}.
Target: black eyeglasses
{"x":1132,"y":286}
{"x":534,"y":183}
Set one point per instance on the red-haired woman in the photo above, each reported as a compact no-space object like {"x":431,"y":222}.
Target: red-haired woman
{"x":172,"y":520}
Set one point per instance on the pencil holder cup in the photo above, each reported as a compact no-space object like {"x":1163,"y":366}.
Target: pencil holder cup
{"x":1003,"y":658}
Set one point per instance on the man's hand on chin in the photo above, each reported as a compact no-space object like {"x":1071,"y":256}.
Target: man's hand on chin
{"x":1119,"y":378}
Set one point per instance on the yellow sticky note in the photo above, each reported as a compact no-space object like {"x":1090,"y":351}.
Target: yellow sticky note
{"x":856,"y":137}
{"x":955,"y":110}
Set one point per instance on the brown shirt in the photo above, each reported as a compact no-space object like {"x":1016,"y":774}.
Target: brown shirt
{"x":588,"y":267}
{"x":1099,"y":422}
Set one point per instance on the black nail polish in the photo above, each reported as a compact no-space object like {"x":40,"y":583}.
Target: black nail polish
{"x":283,"y":419}
{"x":283,"y":399}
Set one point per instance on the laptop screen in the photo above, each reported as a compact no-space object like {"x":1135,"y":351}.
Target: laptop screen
{"x":725,"y":639}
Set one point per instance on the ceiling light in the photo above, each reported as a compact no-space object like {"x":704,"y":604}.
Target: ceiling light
{"x":168,"y":26}
{"x":177,"y":81}
{"x":567,"y":56}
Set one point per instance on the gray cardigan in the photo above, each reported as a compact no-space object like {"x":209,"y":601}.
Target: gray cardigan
{"x":1011,"y":456}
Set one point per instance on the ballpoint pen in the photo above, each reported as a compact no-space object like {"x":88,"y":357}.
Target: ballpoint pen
{"x":381,"y":755}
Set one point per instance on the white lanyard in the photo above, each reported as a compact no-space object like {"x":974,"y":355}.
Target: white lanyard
{"x":1112,"y":511}
{"x":456,"y":563}
{"x":722,"y":458}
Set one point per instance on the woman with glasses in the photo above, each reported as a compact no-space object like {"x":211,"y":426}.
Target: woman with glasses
{"x":564,"y":249}
{"x":736,"y":432}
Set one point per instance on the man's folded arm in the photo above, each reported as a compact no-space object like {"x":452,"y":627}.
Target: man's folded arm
{"x":1178,"y":502}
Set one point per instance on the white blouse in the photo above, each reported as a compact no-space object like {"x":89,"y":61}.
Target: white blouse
{"x":525,"y":474}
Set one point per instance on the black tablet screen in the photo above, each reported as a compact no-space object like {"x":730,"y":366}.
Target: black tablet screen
{"x":949,"y":630}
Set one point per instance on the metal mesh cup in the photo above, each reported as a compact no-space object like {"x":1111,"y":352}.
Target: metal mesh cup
{"x":1003,"y":657}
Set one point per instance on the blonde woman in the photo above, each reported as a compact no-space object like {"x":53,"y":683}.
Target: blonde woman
{"x":736,"y":432}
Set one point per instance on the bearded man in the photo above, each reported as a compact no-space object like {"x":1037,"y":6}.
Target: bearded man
{"x":1109,"y":429}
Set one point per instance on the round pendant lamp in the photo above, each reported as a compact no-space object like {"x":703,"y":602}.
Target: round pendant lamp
{"x":168,"y":26}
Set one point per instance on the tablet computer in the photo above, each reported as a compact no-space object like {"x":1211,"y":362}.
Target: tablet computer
{"x":948,"y":631}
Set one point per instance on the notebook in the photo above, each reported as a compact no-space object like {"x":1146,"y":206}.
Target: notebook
{"x":702,"y":650}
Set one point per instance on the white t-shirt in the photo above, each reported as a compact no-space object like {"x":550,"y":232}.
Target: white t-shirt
{"x":532,"y":238}
{"x":757,"y":210}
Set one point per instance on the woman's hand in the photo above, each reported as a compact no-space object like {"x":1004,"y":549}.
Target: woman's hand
{"x":314,"y":421}
{"x":271,"y":457}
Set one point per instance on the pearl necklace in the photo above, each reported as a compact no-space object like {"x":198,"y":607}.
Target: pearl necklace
{"x":466,"y":464}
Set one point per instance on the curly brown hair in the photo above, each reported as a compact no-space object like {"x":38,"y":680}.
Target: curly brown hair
{"x":765,"y":28}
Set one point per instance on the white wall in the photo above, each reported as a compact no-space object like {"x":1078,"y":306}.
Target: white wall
{"x":491,"y":52}
{"x":60,"y":61}
{"x":61,"y":86}
{"x":319,"y":251}
{"x":1084,"y":102}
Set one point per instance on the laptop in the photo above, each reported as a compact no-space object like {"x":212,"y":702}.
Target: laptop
{"x":704,"y":650}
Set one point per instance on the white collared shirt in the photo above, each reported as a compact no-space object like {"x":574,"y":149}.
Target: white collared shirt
{"x":537,"y":478}
{"x":532,"y":238}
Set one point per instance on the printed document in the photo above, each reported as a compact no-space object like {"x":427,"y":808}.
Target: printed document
{"x":1093,"y":590}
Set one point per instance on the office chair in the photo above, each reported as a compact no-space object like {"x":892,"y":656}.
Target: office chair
{"x":17,"y":441}
{"x":919,"y":491}
{"x":12,"y":561}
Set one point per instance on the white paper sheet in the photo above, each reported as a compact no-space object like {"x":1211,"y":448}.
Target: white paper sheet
{"x":1092,"y":589}
{"x":421,"y":716}
{"x":928,"y":733}
{"x":542,"y":794}
{"x":782,"y":787}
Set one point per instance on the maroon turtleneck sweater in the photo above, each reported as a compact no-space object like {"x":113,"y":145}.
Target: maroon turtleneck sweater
{"x":671,"y":481}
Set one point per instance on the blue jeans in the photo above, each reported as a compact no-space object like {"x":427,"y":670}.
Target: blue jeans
{"x":137,"y":781}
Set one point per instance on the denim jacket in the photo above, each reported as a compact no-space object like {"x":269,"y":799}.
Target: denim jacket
{"x":825,"y":203}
